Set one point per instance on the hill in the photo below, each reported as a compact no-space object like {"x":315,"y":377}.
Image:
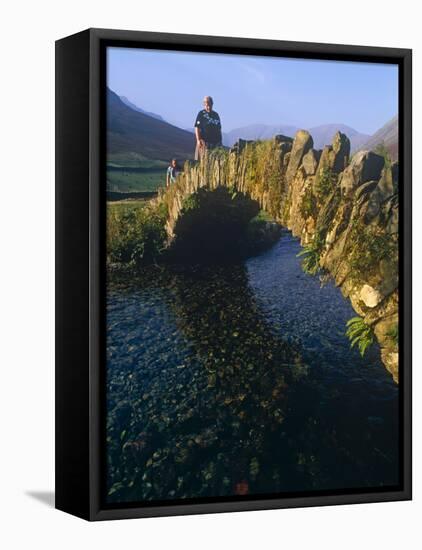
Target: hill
{"x":323,"y":135}
{"x":257,"y":131}
{"x":387,"y":136}
{"x":127,"y":102}
{"x":131,"y":131}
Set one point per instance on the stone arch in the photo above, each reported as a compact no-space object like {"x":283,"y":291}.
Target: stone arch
{"x":323,"y":198}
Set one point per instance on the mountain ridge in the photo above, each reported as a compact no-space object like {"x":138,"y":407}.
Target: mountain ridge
{"x":130,"y":130}
{"x":387,"y":136}
{"x":322,"y":134}
{"x":158,"y":139}
{"x":129,"y":103}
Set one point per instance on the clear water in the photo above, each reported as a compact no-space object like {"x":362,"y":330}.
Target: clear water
{"x":238,"y":380}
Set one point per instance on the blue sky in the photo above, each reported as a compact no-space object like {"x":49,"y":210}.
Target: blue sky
{"x":253,"y":89}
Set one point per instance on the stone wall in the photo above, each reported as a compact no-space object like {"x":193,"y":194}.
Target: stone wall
{"x":345,"y":212}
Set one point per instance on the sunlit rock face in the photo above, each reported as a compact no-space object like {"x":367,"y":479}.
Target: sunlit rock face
{"x":345,"y":211}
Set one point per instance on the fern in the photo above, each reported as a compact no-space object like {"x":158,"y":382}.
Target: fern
{"x":310,"y":262}
{"x":311,"y":254}
{"x":360,"y":334}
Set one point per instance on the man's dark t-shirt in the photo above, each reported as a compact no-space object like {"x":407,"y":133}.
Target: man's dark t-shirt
{"x":210,"y":126}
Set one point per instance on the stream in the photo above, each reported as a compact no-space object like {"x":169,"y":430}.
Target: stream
{"x":238,"y":379}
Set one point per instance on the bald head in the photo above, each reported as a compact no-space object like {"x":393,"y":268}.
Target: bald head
{"x":208,"y":103}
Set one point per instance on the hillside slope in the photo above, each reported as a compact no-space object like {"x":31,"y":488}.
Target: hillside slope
{"x":130,"y":131}
{"x":127,"y":102}
{"x":388,"y":136}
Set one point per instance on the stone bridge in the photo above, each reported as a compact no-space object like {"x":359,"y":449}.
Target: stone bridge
{"x":344,"y":210}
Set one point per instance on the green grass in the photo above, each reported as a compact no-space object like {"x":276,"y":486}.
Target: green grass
{"x":125,"y":181}
{"x":120,"y":207}
{"x":262,"y":216}
{"x":133,"y":160}
{"x":128,"y":172}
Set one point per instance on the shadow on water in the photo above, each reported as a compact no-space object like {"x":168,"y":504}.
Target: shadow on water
{"x":213,"y":389}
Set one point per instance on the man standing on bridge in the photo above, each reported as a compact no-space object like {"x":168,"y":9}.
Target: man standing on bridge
{"x":207,"y":129}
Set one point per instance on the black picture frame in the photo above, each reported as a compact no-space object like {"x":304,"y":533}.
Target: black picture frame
{"x":80,"y":266}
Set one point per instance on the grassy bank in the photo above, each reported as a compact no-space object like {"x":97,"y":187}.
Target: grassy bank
{"x":135,"y":232}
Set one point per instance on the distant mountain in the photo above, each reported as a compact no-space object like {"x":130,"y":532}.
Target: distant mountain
{"x":388,"y":136}
{"x":130,"y":131}
{"x":133,"y":130}
{"x":127,"y":102}
{"x":257,"y":131}
{"x":322,"y":135}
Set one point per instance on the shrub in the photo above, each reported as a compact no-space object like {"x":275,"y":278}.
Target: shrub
{"x":359,"y":333}
{"x":136,"y":235}
{"x":308,"y":205}
{"x":325,"y":183}
{"x":369,"y":244}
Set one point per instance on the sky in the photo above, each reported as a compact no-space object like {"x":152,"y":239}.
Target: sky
{"x":254,"y":89}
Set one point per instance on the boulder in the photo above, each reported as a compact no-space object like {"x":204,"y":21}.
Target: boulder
{"x":386,"y":308}
{"x":393,"y":219}
{"x":310,"y":161}
{"x":391,"y":362}
{"x":383,"y":329}
{"x":240,"y":145}
{"x":365,"y":166}
{"x":364,"y":190}
{"x":340,"y":152}
{"x":389,"y":275}
{"x":335,"y":157}
{"x":370,"y":296}
{"x":285,"y":147}
{"x":385,"y":185}
{"x":375,"y":200}
{"x":280,"y":138}
{"x":395,"y":175}
{"x":301,"y":145}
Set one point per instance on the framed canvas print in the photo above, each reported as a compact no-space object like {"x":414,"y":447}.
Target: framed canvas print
{"x":233,"y":274}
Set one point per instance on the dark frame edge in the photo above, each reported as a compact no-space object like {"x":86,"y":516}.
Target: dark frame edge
{"x":72,"y":254}
{"x":405,"y":146}
{"x":228,"y":42}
